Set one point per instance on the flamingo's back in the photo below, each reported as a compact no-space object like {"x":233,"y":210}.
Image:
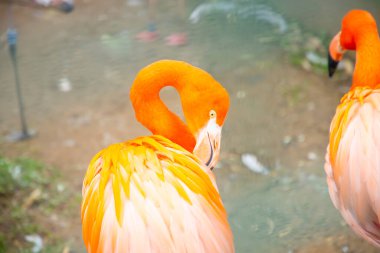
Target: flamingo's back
{"x":353,"y":161}
{"x":151,"y":195}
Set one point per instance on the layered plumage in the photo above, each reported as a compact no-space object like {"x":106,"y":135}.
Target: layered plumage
{"x":353,"y":155}
{"x":150,"y":194}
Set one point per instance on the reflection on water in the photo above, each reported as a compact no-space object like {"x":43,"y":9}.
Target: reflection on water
{"x":85,"y":61}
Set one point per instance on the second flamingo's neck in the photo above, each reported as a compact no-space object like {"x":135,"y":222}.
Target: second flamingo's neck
{"x":367,"y":69}
{"x":151,"y":111}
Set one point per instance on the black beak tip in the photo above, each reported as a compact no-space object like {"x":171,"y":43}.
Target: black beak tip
{"x":332,"y":65}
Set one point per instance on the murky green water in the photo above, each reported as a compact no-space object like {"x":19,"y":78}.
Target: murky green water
{"x":279,"y":111}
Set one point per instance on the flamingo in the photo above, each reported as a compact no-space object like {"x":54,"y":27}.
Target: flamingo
{"x":353,"y":155}
{"x":157,"y":193}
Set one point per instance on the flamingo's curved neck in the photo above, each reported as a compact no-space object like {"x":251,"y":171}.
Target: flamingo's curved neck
{"x":149,"y":108}
{"x":367,"y":69}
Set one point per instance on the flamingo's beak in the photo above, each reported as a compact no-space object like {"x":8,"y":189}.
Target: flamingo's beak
{"x":207,"y":148}
{"x":335,"y":54}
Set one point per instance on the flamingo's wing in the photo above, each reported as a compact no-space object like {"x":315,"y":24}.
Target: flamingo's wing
{"x":151,"y":195}
{"x":353,"y":162}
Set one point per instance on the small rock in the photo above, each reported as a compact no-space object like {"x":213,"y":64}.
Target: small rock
{"x":37,"y":242}
{"x":64,"y":85}
{"x":240,"y":94}
{"x":60,"y":187}
{"x":287,"y":140}
{"x":251,"y":162}
{"x":345,"y":249}
{"x":312,"y":156}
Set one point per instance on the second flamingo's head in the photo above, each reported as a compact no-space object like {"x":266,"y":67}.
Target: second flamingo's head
{"x":354,"y":23}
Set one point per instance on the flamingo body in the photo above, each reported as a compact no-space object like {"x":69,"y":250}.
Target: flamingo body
{"x":151,"y":194}
{"x":353,"y":155}
{"x":353,"y":161}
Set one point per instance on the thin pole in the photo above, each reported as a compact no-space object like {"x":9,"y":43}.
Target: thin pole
{"x":12,"y":42}
{"x":12,"y":39}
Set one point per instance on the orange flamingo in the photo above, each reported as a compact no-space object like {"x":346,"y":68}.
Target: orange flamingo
{"x":353,"y":155}
{"x":152,"y":194}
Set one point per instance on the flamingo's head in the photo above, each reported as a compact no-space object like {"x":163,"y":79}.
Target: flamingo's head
{"x":354,"y":23}
{"x":205,"y":108}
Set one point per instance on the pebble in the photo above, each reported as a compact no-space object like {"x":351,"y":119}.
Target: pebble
{"x":251,"y":162}
{"x":60,"y":187}
{"x":345,"y":249}
{"x":240,"y":94}
{"x":64,"y":85}
{"x":312,"y":156}
{"x":287,"y":140}
{"x":37,"y":242}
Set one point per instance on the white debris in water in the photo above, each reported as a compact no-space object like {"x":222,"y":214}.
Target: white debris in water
{"x":251,"y":162}
{"x":259,"y":11}
{"x":240,"y":94}
{"x":316,"y":59}
{"x":312,"y":156}
{"x":345,"y":249}
{"x":37,"y":242}
{"x":64,"y":85}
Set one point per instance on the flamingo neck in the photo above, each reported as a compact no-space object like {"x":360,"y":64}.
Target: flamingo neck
{"x":149,"y":108}
{"x":367,"y":69}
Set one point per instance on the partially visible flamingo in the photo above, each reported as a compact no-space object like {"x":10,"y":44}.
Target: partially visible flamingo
{"x":353,"y":155}
{"x":152,"y":194}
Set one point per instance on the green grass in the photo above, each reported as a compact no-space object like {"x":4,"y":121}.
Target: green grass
{"x":19,"y":178}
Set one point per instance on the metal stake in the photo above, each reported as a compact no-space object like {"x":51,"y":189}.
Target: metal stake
{"x":12,"y":41}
